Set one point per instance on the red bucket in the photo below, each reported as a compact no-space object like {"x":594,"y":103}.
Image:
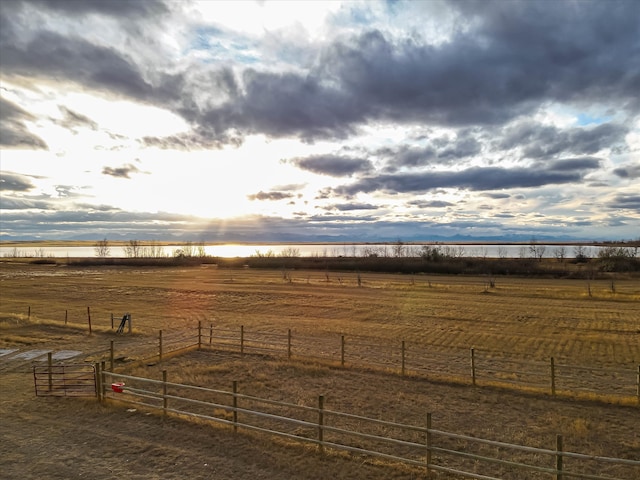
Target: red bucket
{"x":117,"y":387}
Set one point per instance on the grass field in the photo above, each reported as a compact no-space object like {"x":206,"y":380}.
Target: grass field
{"x":534,"y":317}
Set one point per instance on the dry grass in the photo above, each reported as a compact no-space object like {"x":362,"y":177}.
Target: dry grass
{"x":535,"y":317}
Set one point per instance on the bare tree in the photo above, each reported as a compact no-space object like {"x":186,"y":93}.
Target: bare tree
{"x":580,"y":253}
{"x":398,"y":249}
{"x":290,"y":252}
{"x":536,"y":250}
{"x":133,"y":249}
{"x":560,"y":253}
{"x":102,"y":248}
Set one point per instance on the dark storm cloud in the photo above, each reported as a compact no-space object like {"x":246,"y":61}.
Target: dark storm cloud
{"x":566,"y":51}
{"x":475,"y":178}
{"x":346,"y":207}
{"x":77,"y":60}
{"x":14,"y":182}
{"x":121,"y":172}
{"x":441,"y":151}
{"x":113,"y":8}
{"x":510,"y":60}
{"x":543,"y":141}
{"x":624,"y":201}
{"x":628,"y":171}
{"x":13,"y":131}
{"x":571,"y":164}
{"x":407,"y":156}
{"x":270,"y":196}
{"x":333,"y":165}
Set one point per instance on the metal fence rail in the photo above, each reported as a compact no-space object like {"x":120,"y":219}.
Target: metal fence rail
{"x":419,"y":446}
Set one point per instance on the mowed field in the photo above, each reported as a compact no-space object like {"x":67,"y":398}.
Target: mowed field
{"x":596,"y":323}
{"x":537,"y":317}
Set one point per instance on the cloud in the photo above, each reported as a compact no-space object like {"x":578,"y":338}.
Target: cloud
{"x":569,"y":164}
{"x":474,"y":178}
{"x":333,"y":165}
{"x":544,"y":141}
{"x":22,"y":203}
{"x":270,"y":196}
{"x":13,"y":131}
{"x":119,"y":9}
{"x":72,"y":120}
{"x":347,"y":207}
{"x":628,"y":171}
{"x":124,"y":171}
{"x":15,"y":182}
{"x":497,"y":196}
{"x":625,"y":201}
{"x":430,"y":204}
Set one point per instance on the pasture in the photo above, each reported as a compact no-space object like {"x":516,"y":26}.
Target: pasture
{"x":593,"y":323}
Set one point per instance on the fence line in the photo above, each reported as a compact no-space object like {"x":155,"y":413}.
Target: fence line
{"x":472,"y":366}
{"x":420,"y":446}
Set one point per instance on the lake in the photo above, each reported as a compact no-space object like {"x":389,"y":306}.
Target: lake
{"x":304,"y":250}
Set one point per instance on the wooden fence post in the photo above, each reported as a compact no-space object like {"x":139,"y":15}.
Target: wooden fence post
{"x":473,"y":367}
{"x":111,"y":355}
{"x":235,"y":405}
{"x":112,"y":321}
{"x":403,"y":352}
{"x":103,"y":377}
{"x":342,"y":351}
{"x":321,"y":423}
{"x":558,"y":457}
{"x":66,"y":315}
{"x":98,"y":381}
{"x":49,"y":369}
{"x":165,"y":400}
{"x":428,"y":440}
{"x":211,"y":334}
{"x":160,"y":346}
{"x":553,"y":377}
{"x":103,"y":367}
{"x":289,"y":344}
{"x":89,"y":319}
{"x":241,"y":339}
{"x":29,"y":313}
{"x":199,"y":335}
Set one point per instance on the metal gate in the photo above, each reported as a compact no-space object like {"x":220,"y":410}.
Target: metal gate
{"x":74,"y":380}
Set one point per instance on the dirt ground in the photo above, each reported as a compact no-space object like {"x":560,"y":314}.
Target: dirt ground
{"x":63,"y":438}
{"x":80,"y":438}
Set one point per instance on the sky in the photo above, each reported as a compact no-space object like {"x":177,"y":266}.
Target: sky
{"x":320,"y":121}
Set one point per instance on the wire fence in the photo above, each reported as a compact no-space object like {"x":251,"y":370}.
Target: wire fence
{"x":466,"y":365}
{"x":469,"y":366}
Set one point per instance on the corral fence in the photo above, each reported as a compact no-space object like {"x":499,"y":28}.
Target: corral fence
{"x":422,"y":447}
{"x":556,"y":377}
